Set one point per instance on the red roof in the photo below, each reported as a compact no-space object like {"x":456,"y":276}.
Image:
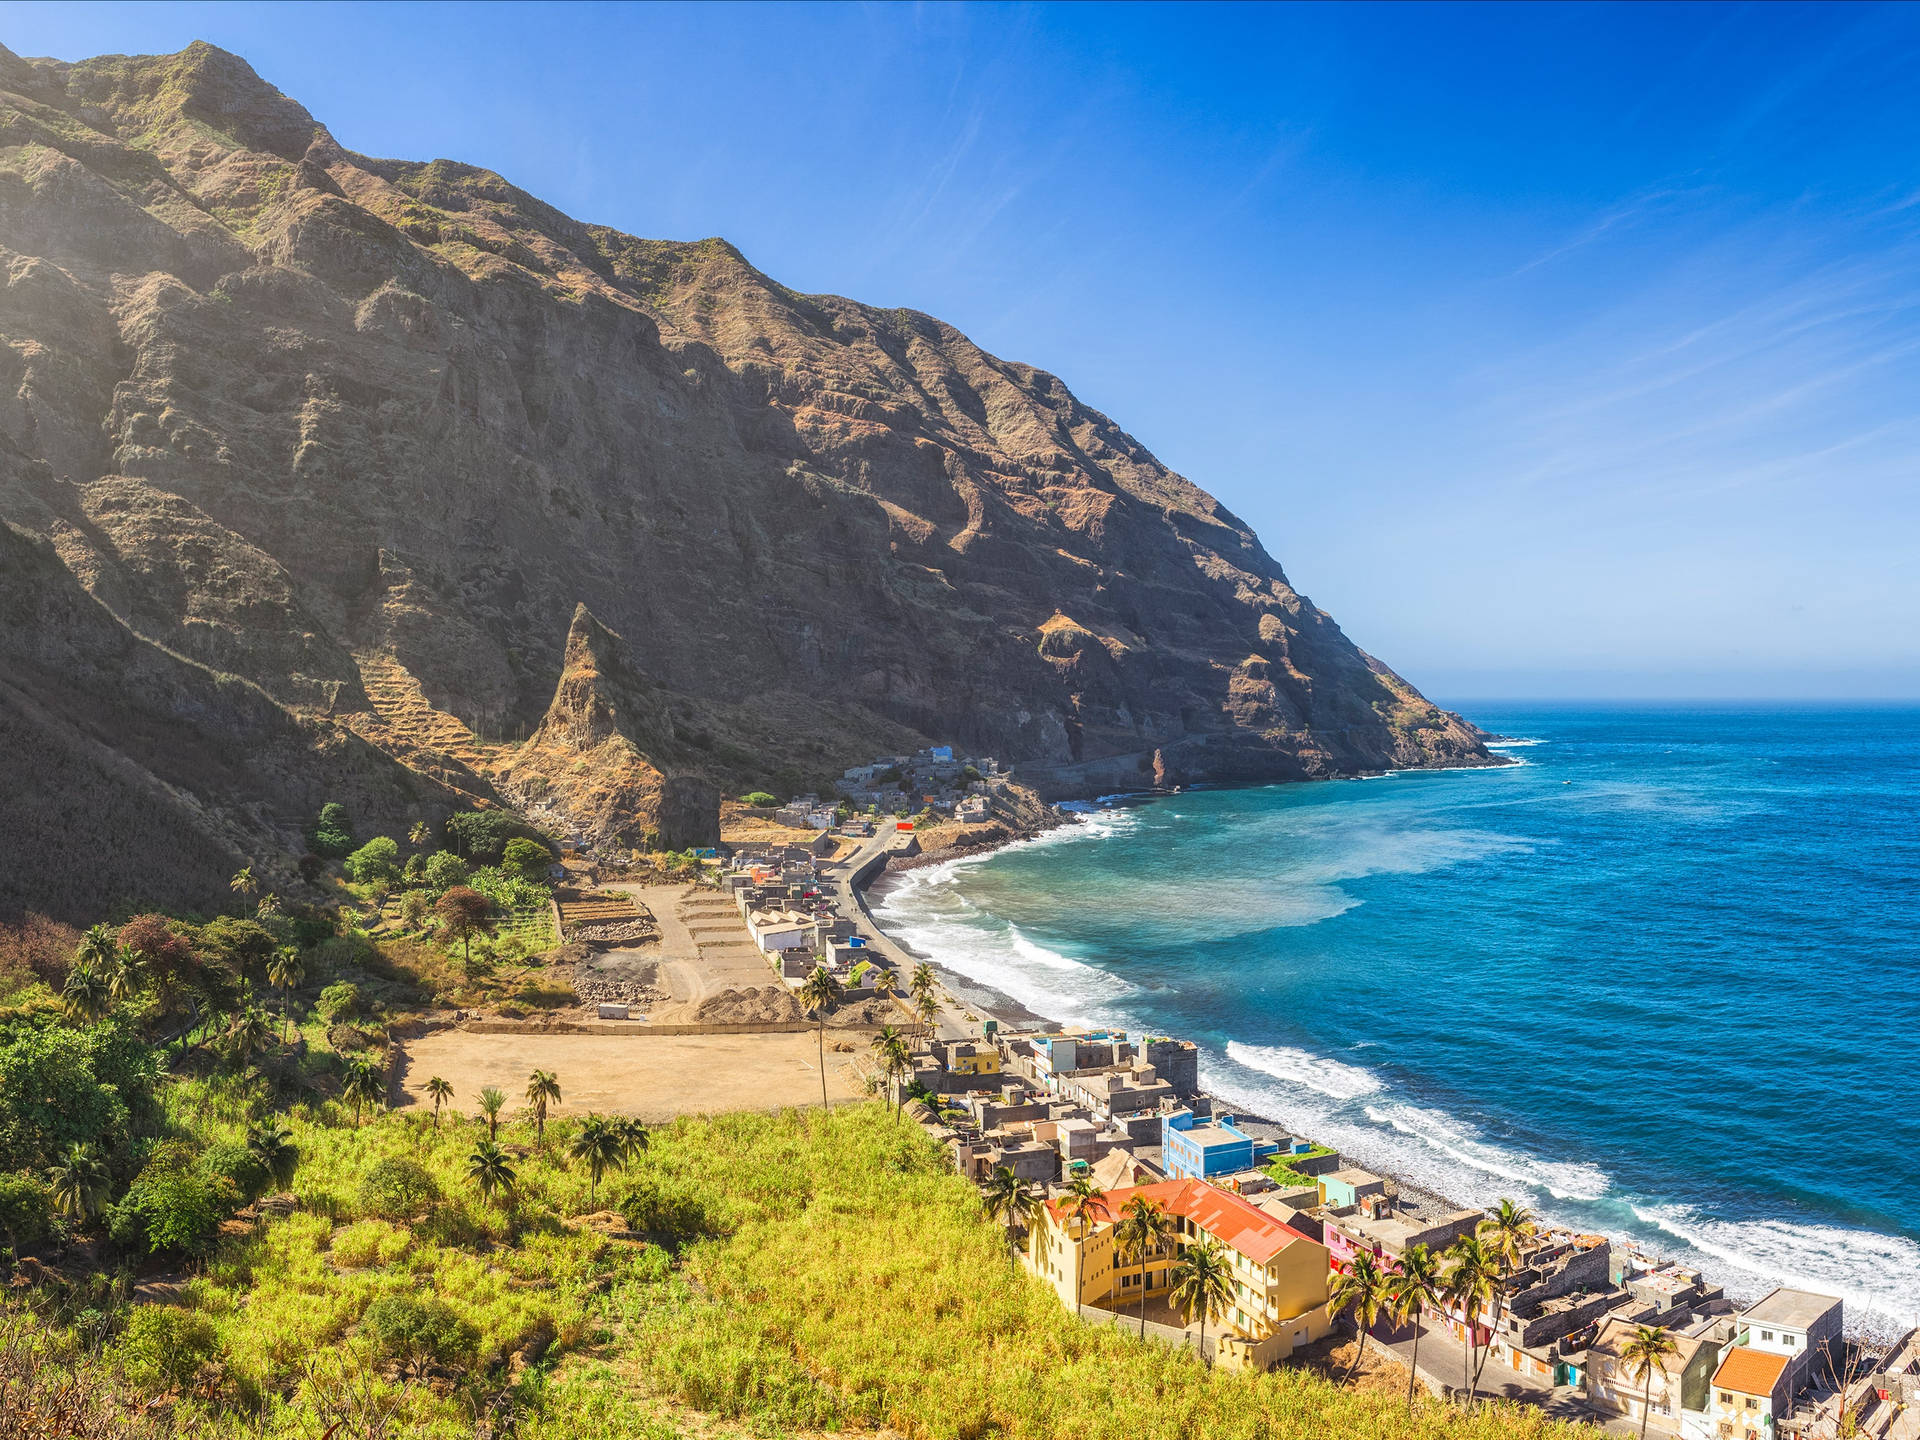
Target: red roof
{"x":1227,"y":1217}
{"x":1751,"y":1372}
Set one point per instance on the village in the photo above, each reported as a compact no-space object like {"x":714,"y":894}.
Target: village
{"x":1118,"y":1178}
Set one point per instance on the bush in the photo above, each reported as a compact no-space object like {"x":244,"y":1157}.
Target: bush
{"x":674,"y":1211}
{"x":527,"y":859}
{"x":366,"y":1241}
{"x":419,"y":1332}
{"x":164,"y":1347}
{"x":169,"y":1207}
{"x":444,"y":870}
{"x":26,"y":1210}
{"x":482,"y":835}
{"x":760,"y":799}
{"x":378,"y":859}
{"x":339,"y":1002}
{"x":312,"y":867}
{"x":60,"y":1086}
{"x":332,"y":832}
{"x":396,"y":1189}
{"x":230,"y":1162}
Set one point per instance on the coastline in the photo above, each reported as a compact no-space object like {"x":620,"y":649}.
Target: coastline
{"x":1742,"y":1280}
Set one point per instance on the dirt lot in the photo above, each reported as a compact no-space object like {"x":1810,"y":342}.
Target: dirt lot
{"x":653,"y":1076}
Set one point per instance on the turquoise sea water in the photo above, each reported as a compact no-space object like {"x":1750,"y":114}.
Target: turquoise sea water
{"x":1662,"y":979}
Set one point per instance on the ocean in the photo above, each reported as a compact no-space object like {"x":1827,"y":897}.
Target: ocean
{"x":1660,"y":980}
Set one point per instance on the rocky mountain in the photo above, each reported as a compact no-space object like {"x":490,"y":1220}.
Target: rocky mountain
{"x":346,"y":472}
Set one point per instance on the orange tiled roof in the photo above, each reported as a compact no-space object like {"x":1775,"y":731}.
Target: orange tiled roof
{"x":1751,"y":1372}
{"x":1228,"y":1218}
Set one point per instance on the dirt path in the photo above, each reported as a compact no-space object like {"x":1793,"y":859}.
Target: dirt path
{"x":653,"y":1076}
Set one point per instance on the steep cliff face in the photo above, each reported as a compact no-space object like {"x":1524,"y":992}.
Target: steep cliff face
{"x":366,"y":432}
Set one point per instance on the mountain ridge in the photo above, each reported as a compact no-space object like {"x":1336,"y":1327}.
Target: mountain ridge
{"x":372,"y":435}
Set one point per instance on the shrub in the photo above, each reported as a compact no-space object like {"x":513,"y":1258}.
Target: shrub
{"x":26,"y":1210}
{"x":482,"y":835}
{"x":444,"y":870}
{"x":170,"y":1207}
{"x":339,"y":1002}
{"x":332,"y":832}
{"x":164,"y":1347}
{"x":657,"y":1205}
{"x":759,"y":799}
{"x":60,"y":1087}
{"x":378,"y":859}
{"x":230,"y":1162}
{"x":419,"y":1332}
{"x":312,"y":867}
{"x":396,"y":1189}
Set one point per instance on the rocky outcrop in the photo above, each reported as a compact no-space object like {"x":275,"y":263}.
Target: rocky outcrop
{"x":365,"y":433}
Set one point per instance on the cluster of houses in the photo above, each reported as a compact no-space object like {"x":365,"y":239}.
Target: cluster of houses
{"x":1127,"y":1114}
{"x":932,"y":779}
{"x":788,"y":907}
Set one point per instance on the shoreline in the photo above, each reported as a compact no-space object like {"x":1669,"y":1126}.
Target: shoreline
{"x":990,"y":1003}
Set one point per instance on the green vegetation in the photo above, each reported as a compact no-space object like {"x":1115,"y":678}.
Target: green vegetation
{"x":760,"y":799}
{"x":331,"y":834}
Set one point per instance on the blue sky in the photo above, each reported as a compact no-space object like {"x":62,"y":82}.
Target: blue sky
{"x":1554,"y":350}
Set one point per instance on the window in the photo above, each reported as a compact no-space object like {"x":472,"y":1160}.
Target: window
{"x":1766,"y":1334}
{"x":1752,"y":1404}
{"x":1725,"y":1398}
{"x":1788,"y":1340}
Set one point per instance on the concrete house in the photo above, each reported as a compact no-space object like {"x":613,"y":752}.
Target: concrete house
{"x":1280,"y":1276}
{"x":1802,"y":1326}
{"x":1195,"y":1151}
{"x":1679,"y":1388}
{"x":1750,"y":1394}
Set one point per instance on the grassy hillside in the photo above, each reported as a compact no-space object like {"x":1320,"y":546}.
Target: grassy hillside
{"x":805,"y":1273}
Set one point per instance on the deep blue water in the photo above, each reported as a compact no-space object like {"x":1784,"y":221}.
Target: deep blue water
{"x":1661,"y":980}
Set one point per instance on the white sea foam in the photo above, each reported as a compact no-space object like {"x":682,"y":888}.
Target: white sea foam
{"x":1877,"y":1275}
{"x":1562,"y":1179}
{"x":1332,"y":1078}
{"x":1513,"y":744}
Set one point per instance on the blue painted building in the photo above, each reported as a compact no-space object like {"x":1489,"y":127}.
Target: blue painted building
{"x":1193,"y":1151}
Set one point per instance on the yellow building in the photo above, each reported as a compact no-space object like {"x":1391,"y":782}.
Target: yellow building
{"x":1280,"y":1276}
{"x":966,"y":1058}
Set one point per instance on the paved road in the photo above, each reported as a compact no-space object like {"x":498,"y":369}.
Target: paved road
{"x":951,"y":1023}
{"x":1441,"y":1360}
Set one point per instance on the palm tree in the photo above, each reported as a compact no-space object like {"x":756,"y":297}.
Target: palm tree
{"x":419,"y":835}
{"x":1364,"y":1286}
{"x":1415,"y":1289}
{"x":543,"y":1089}
{"x":243,"y":884}
{"x":818,"y":996}
{"x":488,"y":1168}
{"x":86,"y":995}
{"x":1142,"y":1229}
{"x":922,"y":983}
{"x":366,"y":1085}
{"x":1473,"y":1275}
{"x":268,"y":907}
{"x":1009,"y":1200}
{"x":1203,"y":1285}
{"x":891,"y":1052}
{"x":491,"y":1102}
{"x":442,"y":1093}
{"x":97,"y":948}
{"x":633,"y":1138}
{"x":929,"y":1012}
{"x":285,"y":972}
{"x":1506,"y":1232}
{"x":272,"y":1149}
{"x":1648,"y":1349}
{"x":79,"y":1182}
{"x":125,"y":974}
{"x":885,"y":983}
{"x":250,"y":1032}
{"x":1081,"y":1193}
{"x":601,"y":1145}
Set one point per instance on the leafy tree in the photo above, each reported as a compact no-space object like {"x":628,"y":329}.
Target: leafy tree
{"x":332,"y":833}
{"x":482,"y":835}
{"x":366,"y":1084}
{"x":378,"y":859}
{"x":492,"y":1101}
{"x":444,"y":870}
{"x":526,"y":858}
{"x":272,"y":1148}
{"x":600,"y":1147}
{"x":419,"y":1332}
{"x":60,"y":1086}
{"x":78,"y":1182}
{"x":817,"y":997}
{"x":245,"y":947}
{"x":1365,"y":1288}
{"x":1648,"y":1349}
{"x":1203,"y":1286}
{"x":760,"y":800}
{"x":170,"y":1206}
{"x":396,"y":1189}
{"x":462,"y":912}
{"x":1414,"y":1289}
{"x":312,"y":867}
{"x":489,"y":1168}
{"x":1141,"y":1232}
{"x":442,"y":1093}
{"x":543,"y":1089}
